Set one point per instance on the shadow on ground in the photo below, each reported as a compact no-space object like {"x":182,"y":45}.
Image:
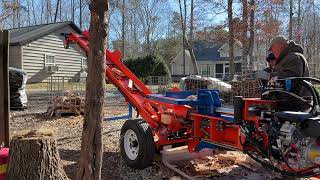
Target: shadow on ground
{"x":110,"y":169}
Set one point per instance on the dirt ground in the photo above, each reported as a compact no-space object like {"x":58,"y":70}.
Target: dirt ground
{"x":68,"y":133}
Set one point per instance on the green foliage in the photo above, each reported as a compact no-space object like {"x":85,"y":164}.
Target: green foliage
{"x":146,"y":66}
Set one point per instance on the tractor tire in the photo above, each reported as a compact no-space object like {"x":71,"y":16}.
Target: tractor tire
{"x":137,"y":146}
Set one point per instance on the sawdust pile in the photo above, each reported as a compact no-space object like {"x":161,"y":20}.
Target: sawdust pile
{"x":231,"y":163}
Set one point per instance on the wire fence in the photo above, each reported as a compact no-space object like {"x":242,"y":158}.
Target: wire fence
{"x":159,"y":84}
{"x":41,"y":94}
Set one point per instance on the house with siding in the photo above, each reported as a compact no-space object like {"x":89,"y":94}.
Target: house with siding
{"x":39,"y":51}
{"x":212,"y":60}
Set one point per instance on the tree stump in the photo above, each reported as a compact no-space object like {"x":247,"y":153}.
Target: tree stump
{"x":34,"y":156}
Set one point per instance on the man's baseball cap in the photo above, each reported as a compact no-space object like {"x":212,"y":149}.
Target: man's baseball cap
{"x":278,"y":39}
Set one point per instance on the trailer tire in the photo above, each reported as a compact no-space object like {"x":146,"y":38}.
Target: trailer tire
{"x":137,"y":146}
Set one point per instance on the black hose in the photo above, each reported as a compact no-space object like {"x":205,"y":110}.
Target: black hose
{"x":300,"y":78}
{"x":307,"y":84}
{"x":315,"y":96}
{"x":288,"y":93}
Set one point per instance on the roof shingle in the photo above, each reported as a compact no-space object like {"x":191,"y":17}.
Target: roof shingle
{"x":24,"y":35}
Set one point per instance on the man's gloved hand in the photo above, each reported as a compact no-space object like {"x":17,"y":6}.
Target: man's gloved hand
{"x":263,"y":75}
{"x":273,"y":81}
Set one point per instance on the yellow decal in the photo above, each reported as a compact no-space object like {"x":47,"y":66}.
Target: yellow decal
{"x":3,"y":168}
{"x":314,"y":154}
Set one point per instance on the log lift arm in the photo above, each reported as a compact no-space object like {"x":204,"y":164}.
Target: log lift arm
{"x":119,"y":75}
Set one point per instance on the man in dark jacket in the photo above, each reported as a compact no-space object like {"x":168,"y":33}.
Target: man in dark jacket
{"x":290,"y":61}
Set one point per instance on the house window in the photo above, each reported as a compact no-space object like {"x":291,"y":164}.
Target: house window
{"x":238,"y":67}
{"x":219,"y":70}
{"x":226,"y":71}
{"x":49,"y":60}
{"x":205,"y":69}
{"x":84,"y":63}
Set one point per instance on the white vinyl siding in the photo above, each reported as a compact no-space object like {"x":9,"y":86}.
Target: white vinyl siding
{"x":15,"y":54}
{"x":35,"y":55}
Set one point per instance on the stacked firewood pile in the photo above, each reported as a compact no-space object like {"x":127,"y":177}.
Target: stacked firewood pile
{"x":246,"y":89}
{"x":70,"y":103}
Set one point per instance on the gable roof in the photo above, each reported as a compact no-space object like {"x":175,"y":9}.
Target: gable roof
{"x":209,"y":51}
{"x":205,"y":51}
{"x":24,"y":35}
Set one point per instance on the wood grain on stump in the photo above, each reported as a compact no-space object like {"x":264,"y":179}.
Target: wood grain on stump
{"x":34,"y":156}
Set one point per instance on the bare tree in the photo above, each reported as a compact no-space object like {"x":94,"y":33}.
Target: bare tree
{"x":252,"y":31}
{"x":29,"y":13}
{"x":48,"y":10}
{"x":60,"y":9}
{"x":56,"y":13}
{"x":80,"y":13}
{"x":290,"y":19}
{"x":298,"y":36}
{"x":73,"y":9}
{"x":231,"y":40}
{"x":187,"y":44}
{"x":183,"y":27}
{"x":190,"y":42}
{"x":149,"y":13}
{"x":34,"y":12}
{"x":244,"y":36}
{"x":91,"y":146}
{"x":123,"y":27}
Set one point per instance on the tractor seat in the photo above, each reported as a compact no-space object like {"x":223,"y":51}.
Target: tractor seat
{"x":292,"y":116}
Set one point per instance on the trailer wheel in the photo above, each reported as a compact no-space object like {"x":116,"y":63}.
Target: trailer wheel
{"x":136,"y":144}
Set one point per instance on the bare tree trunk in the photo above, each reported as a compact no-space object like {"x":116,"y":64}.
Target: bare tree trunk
{"x":184,"y":33}
{"x":56,"y":13}
{"x":72,"y":10}
{"x":91,"y":146}
{"x":135,"y":36}
{"x":314,"y":39}
{"x":231,"y":40}
{"x":252,"y":35}
{"x":244,"y":36}
{"x":60,"y":10}
{"x":34,"y":155}
{"x":183,"y":38}
{"x":18,"y":6}
{"x":14,"y":18}
{"x":298,"y":38}
{"x":290,"y":19}
{"x":123,"y":28}
{"x":47,"y":11}
{"x":34,"y":13}
{"x":190,"y":44}
{"x":43,"y":4}
{"x":29,"y":14}
{"x":80,"y":14}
